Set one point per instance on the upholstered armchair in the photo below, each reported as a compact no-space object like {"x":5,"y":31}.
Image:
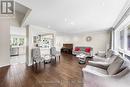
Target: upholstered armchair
{"x":36,"y":58}
{"x":36,"y":55}
{"x":54,"y":54}
{"x":113,"y":76}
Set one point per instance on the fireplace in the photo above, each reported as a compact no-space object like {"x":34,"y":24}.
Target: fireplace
{"x":67,"y":48}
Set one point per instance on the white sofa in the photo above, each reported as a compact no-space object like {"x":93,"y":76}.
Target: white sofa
{"x":103,"y":56}
{"x":104,"y":63}
{"x":115,"y":75}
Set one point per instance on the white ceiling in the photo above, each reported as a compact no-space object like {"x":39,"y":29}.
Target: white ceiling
{"x":74,"y":16}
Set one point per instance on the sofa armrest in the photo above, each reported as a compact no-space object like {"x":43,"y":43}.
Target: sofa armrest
{"x":104,"y":76}
{"x":92,"y":78}
{"x":93,"y":72}
{"x":103,"y":65}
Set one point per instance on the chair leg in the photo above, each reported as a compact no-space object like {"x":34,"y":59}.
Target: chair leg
{"x":39,"y":64}
{"x":55,"y":59}
{"x":44,"y":63}
{"x":36,"y":66}
{"x":59,"y":58}
{"x":33,"y":66}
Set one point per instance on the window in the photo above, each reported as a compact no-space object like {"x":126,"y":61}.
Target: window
{"x":122,"y":39}
{"x":128,"y":39}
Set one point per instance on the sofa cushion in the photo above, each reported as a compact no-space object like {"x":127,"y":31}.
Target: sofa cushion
{"x":111,"y":59}
{"x":77,"y":49}
{"x":114,"y":67}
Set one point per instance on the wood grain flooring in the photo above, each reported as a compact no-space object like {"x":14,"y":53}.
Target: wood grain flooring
{"x":66,"y":73}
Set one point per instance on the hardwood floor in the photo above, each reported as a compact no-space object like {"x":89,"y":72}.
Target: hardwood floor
{"x":66,"y":73}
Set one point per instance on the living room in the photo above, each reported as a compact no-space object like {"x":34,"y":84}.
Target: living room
{"x":67,"y":43}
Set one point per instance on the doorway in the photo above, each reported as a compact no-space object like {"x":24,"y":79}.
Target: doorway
{"x":17,"y":45}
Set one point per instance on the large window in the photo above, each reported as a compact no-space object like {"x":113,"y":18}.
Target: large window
{"x":122,"y":39}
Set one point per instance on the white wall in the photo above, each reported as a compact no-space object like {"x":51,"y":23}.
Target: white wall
{"x":62,"y":38}
{"x":100,"y":40}
{"x":34,"y":31}
{"x":17,"y":31}
{"x":5,"y":32}
{"x":4,"y":42}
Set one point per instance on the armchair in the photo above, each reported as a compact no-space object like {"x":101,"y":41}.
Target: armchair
{"x":109,"y":77}
{"x":36,"y":57}
{"x":54,"y":53}
{"x":96,"y":79}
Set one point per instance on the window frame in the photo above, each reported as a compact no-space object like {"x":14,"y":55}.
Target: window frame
{"x":117,"y":47}
{"x":120,"y":39}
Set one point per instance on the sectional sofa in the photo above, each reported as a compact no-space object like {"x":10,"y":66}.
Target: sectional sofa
{"x":80,"y":49}
{"x":114,"y":74}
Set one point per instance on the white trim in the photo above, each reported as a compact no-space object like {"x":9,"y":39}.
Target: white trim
{"x":4,"y":65}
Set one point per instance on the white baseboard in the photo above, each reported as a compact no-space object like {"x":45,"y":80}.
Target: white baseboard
{"x":4,"y":65}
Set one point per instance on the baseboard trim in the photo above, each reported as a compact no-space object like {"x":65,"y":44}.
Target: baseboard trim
{"x":4,"y":65}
